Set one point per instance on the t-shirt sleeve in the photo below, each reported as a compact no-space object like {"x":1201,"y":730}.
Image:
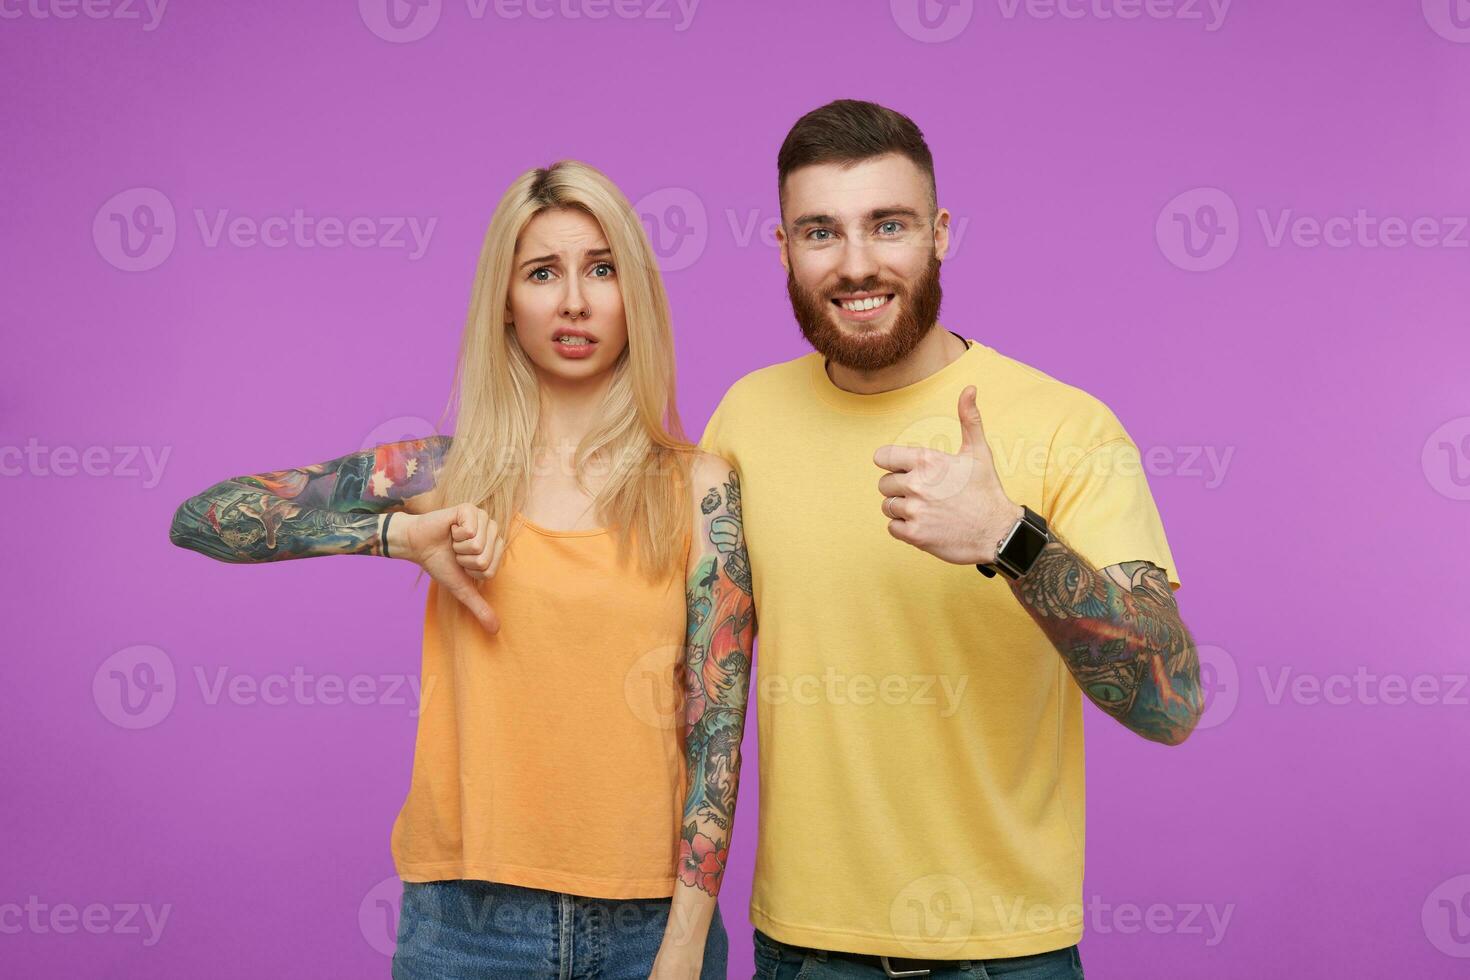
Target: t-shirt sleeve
{"x":1104,"y":510}
{"x":718,"y":439}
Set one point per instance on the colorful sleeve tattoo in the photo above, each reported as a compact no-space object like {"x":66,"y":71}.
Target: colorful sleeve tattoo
{"x":1120,"y":634}
{"x":327,"y":508}
{"x":716,"y":678}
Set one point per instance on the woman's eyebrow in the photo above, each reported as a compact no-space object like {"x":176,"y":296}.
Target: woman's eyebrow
{"x":595,"y":253}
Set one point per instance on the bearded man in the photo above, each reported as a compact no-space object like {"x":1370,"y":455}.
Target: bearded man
{"x":949,"y":549}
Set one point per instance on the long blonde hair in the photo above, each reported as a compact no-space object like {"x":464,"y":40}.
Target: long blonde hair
{"x":495,"y":387}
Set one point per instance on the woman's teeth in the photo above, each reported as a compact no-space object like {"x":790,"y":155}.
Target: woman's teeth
{"x":573,"y":341}
{"x":863,"y":305}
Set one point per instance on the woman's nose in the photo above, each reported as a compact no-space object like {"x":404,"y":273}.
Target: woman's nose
{"x":574,"y":303}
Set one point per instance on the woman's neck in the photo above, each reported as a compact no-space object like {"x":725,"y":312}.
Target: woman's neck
{"x":569,"y":410}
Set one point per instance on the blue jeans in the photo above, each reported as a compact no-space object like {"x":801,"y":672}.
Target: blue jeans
{"x":776,"y":961}
{"x":469,"y":928}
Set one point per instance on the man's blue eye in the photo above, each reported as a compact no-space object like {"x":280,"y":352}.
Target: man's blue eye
{"x":893,"y":226}
{"x":819,"y":231}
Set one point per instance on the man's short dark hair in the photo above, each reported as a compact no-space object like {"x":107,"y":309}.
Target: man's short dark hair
{"x":849,"y":131}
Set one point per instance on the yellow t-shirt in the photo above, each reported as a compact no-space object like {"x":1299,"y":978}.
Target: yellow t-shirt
{"x":921,"y":756}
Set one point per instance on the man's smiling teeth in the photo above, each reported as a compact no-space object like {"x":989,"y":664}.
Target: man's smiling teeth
{"x":573,"y":341}
{"x":863,"y":305}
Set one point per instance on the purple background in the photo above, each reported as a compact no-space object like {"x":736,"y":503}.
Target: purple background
{"x":1333,"y":834}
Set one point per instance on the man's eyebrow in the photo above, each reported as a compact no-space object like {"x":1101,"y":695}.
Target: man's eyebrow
{"x":877,"y":214}
{"x":813,"y":219}
{"x":894,"y":211}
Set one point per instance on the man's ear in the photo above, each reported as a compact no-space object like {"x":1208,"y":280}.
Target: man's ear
{"x":941,"y":233}
{"x":784,"y":247}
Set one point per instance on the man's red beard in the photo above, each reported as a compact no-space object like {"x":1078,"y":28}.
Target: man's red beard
{"x":918,"y":309}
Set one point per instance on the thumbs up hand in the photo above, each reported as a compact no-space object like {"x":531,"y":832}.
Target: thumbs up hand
{"x":948,"y":504}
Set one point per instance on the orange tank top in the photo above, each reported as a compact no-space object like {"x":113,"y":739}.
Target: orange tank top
{"x":549,"y":755}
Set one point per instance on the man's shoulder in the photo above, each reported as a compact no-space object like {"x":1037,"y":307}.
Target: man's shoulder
{"x":1073,"y":413}
{"x":758,"y":386}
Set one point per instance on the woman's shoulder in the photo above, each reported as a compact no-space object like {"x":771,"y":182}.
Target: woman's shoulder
{"x":707,"y":470}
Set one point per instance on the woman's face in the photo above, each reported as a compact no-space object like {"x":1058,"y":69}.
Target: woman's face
{"x":565,"y":301}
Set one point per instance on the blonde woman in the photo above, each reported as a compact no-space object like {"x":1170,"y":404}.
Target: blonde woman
{"x":588,"y":633}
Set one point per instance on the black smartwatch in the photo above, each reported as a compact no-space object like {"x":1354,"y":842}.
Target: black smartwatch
{"x":1021,"y":546}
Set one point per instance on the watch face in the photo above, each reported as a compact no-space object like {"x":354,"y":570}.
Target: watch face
{"x":1023,"y":548}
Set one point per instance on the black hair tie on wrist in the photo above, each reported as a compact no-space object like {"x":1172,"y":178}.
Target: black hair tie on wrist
{"x":384,"y":543}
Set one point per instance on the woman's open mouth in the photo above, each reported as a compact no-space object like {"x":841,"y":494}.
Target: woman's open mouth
{"x":573,"y":343}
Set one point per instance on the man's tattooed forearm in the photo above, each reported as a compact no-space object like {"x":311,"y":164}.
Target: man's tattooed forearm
{"x":1120,"y":633}
{"x":716,"y":680}
{"x":326,"y":508}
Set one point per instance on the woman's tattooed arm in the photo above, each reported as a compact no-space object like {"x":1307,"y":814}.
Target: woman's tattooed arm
{"x":330,"y":508}
{"x":716,"y":675}
{"x":1120,"y":634}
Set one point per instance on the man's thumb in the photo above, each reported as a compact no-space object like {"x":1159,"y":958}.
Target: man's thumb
{"x":972,"y":431}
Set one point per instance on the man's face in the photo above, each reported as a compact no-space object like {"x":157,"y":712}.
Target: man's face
{"x":862,"y":246}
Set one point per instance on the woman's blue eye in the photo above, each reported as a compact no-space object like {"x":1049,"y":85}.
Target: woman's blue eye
{"x":536,"y":274}
{"x":603,"y":265}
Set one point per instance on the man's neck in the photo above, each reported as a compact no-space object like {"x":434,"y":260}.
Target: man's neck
{"x":938,"y":348}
